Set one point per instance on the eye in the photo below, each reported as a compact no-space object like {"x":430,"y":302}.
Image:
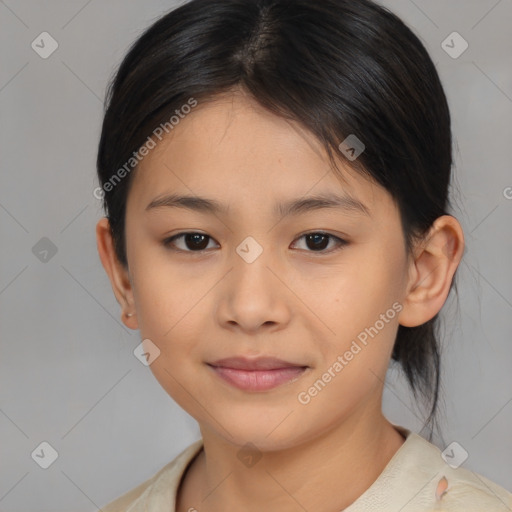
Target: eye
{"x":194,"y":242}
{"x":318,"y":241}
{"x":197,"y":242}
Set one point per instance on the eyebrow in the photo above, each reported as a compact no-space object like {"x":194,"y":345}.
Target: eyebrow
{"x":293,"y":207}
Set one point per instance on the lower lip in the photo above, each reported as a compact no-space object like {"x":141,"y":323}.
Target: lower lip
{"x":258,"y":380}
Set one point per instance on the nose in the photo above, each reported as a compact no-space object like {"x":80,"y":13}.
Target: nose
{"x":253,"y":295}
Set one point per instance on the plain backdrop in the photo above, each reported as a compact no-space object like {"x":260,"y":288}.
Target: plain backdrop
{"x":68,"y":375}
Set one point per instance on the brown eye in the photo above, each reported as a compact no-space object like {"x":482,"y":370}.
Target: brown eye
{"x":197,"y":242}
{"x":319,"y":241}
{"x":193,"y":242}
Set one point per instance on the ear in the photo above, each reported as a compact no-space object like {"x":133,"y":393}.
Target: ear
{"x":117,"y":273}
{"x":431,"y":271}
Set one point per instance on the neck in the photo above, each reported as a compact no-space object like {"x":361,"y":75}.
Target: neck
{"x":328,"y":472}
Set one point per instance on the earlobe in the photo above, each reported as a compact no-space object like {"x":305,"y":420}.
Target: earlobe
{"x":431,"y":273}
{"x":116,"y":272}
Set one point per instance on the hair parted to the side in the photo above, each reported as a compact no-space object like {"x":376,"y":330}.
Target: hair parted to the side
{"x":337,"y":67}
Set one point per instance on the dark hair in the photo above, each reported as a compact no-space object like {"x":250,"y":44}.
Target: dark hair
{"x":338,"y":67}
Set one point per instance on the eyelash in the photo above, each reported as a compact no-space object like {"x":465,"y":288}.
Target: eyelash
{"x":169,"y":241}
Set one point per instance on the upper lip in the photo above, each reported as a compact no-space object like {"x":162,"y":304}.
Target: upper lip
{"x":259,"y":363}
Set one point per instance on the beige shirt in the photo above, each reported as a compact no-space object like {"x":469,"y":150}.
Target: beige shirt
{"x":412,"y":481}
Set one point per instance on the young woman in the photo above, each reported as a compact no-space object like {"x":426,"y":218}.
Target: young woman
{"x":275,"y":177}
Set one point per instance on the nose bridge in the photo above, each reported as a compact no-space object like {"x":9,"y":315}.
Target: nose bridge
{"x":251,"y":296}
{"x":252,"y":230}
{"x":250,"y":250}
{"x":250,"y":261}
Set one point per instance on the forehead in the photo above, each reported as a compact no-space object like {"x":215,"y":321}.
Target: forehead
{"x":233,"y":149}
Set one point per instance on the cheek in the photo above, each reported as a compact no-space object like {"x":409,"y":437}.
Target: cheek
{"x":351,"y":295}
{"x":161,"y":293}
{"x":359,"y":304}
{"x":170,"y":308}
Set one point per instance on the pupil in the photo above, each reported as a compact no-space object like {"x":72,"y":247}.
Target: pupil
{"x":315,"y":238}
{"x":197,"y":238}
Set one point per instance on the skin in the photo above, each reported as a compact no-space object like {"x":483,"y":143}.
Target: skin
{"x":293,"y":302}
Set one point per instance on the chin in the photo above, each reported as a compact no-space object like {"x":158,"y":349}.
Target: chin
{"x":266,"y":432}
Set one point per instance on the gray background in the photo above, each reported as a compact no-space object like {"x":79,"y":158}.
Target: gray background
{"x":68,"y":373}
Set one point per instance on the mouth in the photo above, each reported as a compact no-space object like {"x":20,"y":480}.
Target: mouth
{"x":259,"y":374}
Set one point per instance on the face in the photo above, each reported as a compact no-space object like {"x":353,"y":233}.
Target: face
{"x":316,"y":286}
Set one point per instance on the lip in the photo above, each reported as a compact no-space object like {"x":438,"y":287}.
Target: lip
{"x":258,"y":374}
{"x":258,"y":363}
